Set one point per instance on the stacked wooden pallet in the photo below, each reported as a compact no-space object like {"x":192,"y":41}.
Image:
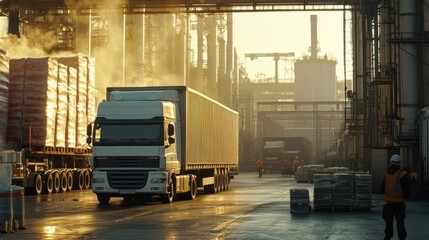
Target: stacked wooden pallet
{"x":4,"y":95}
{"x":49,"y":101}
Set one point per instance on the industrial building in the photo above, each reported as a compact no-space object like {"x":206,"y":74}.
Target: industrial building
{"x":178,"y":42}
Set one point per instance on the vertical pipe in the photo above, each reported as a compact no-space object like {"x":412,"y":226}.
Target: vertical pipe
{"x":123,"y":48}
{"x":313,"y":19}
{"x":200,"y":75}
{"x":212,"y":57}
{"x":409,"y":69}
{"x":229,"y":58}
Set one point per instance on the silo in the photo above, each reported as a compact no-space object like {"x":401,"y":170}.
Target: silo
{"x":315,"y":77}
{"x":315,"y":80}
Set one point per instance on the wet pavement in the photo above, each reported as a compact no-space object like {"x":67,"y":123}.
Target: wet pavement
{"x":253,"y":208}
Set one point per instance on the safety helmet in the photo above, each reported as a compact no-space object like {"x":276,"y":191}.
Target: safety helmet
{"x":395,"y":159}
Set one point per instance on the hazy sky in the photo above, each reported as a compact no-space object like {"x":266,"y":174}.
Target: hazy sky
{"x":284,"y":32}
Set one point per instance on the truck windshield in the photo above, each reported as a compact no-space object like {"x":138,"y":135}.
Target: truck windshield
{"x":135,"y":134}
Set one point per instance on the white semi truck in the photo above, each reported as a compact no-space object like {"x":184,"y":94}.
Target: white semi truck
{"x":165,"y":142}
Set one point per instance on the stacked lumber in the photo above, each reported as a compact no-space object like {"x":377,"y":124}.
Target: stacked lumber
{"x":85,"y":86}
{"x":48,"y":101}
{"x":16,"y":99}
{"x":4,"y":95}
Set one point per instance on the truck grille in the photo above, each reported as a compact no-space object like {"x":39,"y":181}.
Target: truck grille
{"x":126,"y":162}
{"x":127,"y":179}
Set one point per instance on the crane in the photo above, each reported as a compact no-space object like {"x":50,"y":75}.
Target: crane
{"x":274,"y":55}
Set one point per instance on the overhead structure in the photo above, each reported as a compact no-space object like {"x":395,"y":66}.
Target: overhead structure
{"x":390,"y":60}
{"x":174,"y":6}
{"x":275,"y":56}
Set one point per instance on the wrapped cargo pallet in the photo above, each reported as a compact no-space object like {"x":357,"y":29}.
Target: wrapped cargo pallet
{"x":40,"y":102}
{"x":80,"y":63}
{"x":91,"y":110}
{"x":62,"y":103}
{"x":4,"y":96}
{"x":16,"y":99}
{"x":343,"y":190}
{"x":322,"y":191}
{"x":363,"y":197}
{"x":71,"y":108}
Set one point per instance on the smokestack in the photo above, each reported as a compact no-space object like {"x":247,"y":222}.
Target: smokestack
{"x":313,"y":19}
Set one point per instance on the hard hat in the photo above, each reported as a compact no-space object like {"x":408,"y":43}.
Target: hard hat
{"x":395,"y":159}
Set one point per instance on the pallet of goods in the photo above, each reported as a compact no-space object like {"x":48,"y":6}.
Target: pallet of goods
{"x":4,"y":95}
{"x":299,"y":200}
{"x":322,"y":191}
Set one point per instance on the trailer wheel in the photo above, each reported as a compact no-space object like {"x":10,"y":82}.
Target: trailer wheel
{"x":86,"y":179}
{"x":48,"y":185}
{"x":103,"y":199}
{"x":168,"y":197}
{"x":38,"y":184}
{"x":222,"y":180}
{"x":69,"y":181}
{"x":63,"y":182}
{"x":193,"y":188}
{"x":57,"y":182}
{"x":227,"y":180}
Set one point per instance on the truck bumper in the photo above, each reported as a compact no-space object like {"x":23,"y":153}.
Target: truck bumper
{"x":156,"y":184}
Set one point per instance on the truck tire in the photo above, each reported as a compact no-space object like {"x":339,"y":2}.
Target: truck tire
{"x":48,"y":184}
{"x":63,"y":181}
{"x":57,"y":182}
{"x":191,"y":195}
{"x":86,"y":179}
{"x":69,"y":181}
{"x":78,"y":180}
{"x":168,"y":197}
{"x":103,"y":199}
{"x":222,"y":180}
{"x":38,"y":184}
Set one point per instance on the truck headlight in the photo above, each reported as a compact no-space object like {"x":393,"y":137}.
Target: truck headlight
{"x":97,"y":180}
{"x":158,"y":180}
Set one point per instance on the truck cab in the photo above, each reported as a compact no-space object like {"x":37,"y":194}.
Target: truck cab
{"x":134,"y":146}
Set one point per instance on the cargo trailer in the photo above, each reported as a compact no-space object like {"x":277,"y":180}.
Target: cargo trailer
{"x":162,"y":142}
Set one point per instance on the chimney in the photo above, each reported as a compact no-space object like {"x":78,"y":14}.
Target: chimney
{"x":313,"y":19}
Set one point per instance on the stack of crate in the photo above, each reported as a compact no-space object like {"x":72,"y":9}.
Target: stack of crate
{"x":299,"y":200}
{"x":49,"y":101}
{"x":4,"y":95}
{"x":322,"y":191}
{"x":343,"y":189}
{"x":363,"y":197}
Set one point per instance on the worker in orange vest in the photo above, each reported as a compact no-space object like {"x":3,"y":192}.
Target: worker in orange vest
{"x":260,"y":167}
{"x":396,"y":187}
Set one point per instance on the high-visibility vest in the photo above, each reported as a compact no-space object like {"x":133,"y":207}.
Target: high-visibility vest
{"x":393,"y":193}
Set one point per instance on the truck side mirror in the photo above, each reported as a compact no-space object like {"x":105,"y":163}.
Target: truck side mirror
{"x":170,"y":130}
{"x":88,"y":133}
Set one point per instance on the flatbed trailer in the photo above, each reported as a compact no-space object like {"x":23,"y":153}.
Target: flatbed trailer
{"x":49,"y":169}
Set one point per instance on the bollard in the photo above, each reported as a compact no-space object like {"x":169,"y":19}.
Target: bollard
{"x":18,"y":202}
{"x":6,"y":211}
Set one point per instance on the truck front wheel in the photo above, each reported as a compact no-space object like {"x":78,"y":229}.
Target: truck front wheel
{"x":38,"y":184}
{"x":103,"y":199}
{"x":193,"y":188}
{"x":168,"y":198}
